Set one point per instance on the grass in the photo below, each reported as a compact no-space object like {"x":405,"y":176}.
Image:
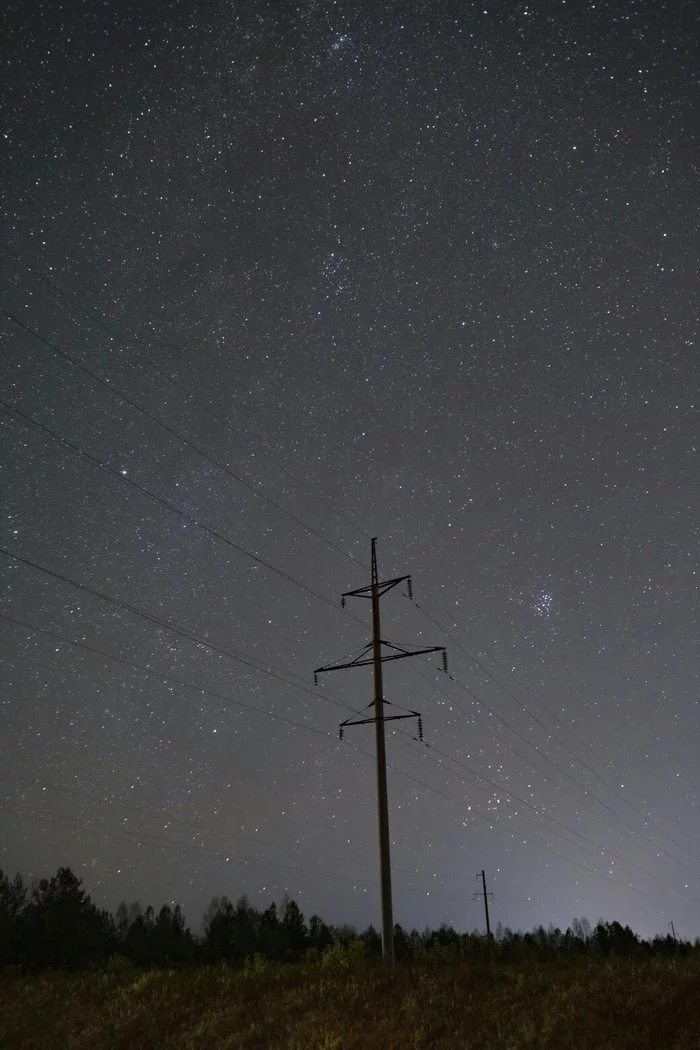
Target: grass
{"x":344,"y":1002}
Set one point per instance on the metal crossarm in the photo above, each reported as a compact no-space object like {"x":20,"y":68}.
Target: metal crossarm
{"x":399,"y":654}
{"x":382,"y":588}
{"x":370,"y":721}
{"x":400,"y":651}
{"x":387,"y":718}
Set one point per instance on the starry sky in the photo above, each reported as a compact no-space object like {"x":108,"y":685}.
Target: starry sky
{"x":278,"y":278}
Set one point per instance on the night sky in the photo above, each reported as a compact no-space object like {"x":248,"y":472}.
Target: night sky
{"x":277,"y":278}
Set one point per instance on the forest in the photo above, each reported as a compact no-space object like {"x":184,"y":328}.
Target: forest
{"x":55,"y":925}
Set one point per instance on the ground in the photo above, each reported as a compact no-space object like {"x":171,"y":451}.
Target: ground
{"x":346,"y":1003}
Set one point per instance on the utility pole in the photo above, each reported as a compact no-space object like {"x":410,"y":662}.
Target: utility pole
{"x":374,"y":592}
{"x":673,"y":931}
{"x":482,"y":875}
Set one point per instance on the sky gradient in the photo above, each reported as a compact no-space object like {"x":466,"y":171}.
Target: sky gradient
{"x":277,"y":279}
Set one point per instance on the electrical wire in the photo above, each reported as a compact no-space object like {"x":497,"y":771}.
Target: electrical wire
{"x":316,"y":594}
{"x":305,"y":587}
{"x":550,"y":732}
{"x":172,"y":679}
{"x":75,"y":449}
{"x":599,"y":847}
{"x":100,"y":325}
{"x":97,"y":323}
{"x":651,"y":849}
{"x":116,"y":392}
{"x":430,"y":788}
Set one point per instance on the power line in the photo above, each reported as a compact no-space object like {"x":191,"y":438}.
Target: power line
{"x":569,"y":776}
{"x":99,"y":324}
{"x":199,"y":640}
{"x":655,"y":847}
{"x":37,"y":426}
{"x":170,"y":430}
{"x":160,"y":814}
{"x":180,"y":437}
{"x":518,"y":836}
{"x":218,"y":648}
{"x":219,"y":696}
{"x":488,"y":674}
{"x":484,"y":670}
{"x":28,"y":420}
{"x":524,"y":758}
{"x":599,"y":847}
{"x":68,"y":821}
{"x":76,"y":450}
{"x":653,"y":850}
{"x":490,"y":821}
{"x":177,"y":630}
{"x":647,"y":819}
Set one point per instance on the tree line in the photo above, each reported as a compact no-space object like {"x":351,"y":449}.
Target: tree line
{"x":54,"y":924}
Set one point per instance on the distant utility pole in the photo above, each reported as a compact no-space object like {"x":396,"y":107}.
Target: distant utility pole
{"x":673,"y":931}
{"x":479,"y":893}
{"x":375,"y":591}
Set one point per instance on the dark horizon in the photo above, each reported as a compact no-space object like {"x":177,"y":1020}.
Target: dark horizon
{"x":53,"y":923}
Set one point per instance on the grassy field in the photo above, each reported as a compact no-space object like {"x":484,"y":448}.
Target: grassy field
{"x":347,"y":1003}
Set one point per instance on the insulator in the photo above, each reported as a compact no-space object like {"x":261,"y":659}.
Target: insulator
{"x":342,"y":602}
{"x":420,"y":728}
{"x":444,"y":660}
{"x":315,"y":678}
{"x":410,"y":588}
{"x":340,"y":733}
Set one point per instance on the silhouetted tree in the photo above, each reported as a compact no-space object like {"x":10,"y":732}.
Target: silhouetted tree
{"x":121,"y":922}
{"x":230,"y":931}
{"x":57,"y":925}
{"x":138,"y":944}
{"x":445,"y":937}
{"x":344,"y":933}
{"x":611,"y":938}
{"x":294,"y":927}
{"x":581,"y":928}
{"x":172,"y":941}
{"x":372,"y":940}
{"x":246,"y":922}
{"x":571,"y":943}
{"x":401,"y":945}
{"x":13,"y":898}
{"x":62,"y":927}
{"x":219,"y":930}
{"x":320,"y":935}
{"x":273,"y":940}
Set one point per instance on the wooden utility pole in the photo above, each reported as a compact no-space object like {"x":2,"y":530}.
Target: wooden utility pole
{"x":482,"y":876}
{"x":375,"y":591}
